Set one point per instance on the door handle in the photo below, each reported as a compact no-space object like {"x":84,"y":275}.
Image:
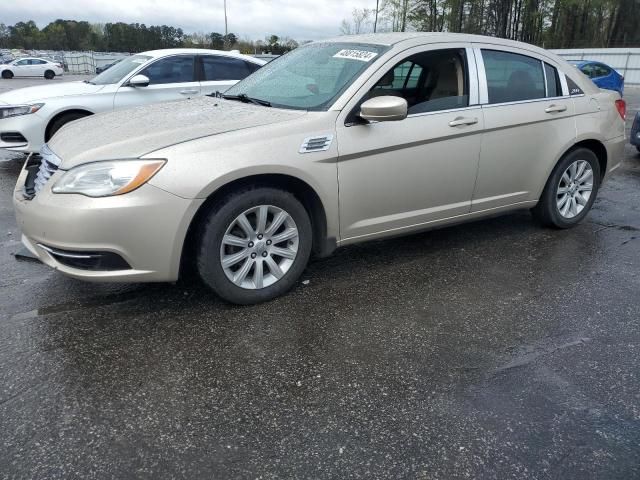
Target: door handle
{"x":459,"y":121}
{"x":555,"y":108}
{"x":188,"y":92}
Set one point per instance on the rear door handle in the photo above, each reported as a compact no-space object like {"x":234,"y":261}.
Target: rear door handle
{"x":188,"y":92}
{"x":459,"y":121}
{"x":555,"y":108}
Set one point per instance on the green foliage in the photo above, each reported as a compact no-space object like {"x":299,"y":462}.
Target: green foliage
{"x":549,"y":23}
{"x":123,"y":37}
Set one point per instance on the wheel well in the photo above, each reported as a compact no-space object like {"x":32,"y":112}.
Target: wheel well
{"x":304,"y":193}
{"x":599,"y":149}
{"x":56,"y":117}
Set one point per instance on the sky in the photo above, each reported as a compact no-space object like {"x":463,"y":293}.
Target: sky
{"x":298,"y":19}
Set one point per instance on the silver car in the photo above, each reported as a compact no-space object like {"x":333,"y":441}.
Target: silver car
{"x":338,"y":142}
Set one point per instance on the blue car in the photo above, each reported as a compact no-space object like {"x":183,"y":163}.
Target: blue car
{"x":602,"y":75}
{"x":635,"y":132}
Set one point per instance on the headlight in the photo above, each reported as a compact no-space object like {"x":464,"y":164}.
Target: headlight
{"x":15,"y":110}
{"x":103,"y":179}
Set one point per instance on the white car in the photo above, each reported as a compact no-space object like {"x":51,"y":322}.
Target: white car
{"x":31,"y":67}
{"x":30,"y":116}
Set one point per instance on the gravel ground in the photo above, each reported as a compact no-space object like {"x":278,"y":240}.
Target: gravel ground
{"x":496,"y":349}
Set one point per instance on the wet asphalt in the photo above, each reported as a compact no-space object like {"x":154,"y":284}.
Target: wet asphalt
{"x":497,"y":350}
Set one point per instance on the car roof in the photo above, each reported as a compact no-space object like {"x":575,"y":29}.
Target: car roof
{"x":419,"y":38}
{"x":201,"y":51}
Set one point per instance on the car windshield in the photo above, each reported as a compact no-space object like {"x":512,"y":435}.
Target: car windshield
{"x":309,"y":77}
{"x":120,"y":70}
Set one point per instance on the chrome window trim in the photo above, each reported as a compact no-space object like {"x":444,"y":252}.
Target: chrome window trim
{"x":533,"y":100}
{"x":451,"y":110}
{"x":482,"y":77}
{"x":564,"y":84}
{"x":544,"y":75}
{"x":472,"y":76}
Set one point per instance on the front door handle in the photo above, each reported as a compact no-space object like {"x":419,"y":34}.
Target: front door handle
{"x":555,"y":108}
{"x":188,"y":92}
{"x":459,"y":121}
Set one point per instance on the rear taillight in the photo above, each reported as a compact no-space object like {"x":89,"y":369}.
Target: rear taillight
{"x":621,"y":106}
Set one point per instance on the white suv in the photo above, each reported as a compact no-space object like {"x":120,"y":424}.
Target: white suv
{"x":30,"y":116}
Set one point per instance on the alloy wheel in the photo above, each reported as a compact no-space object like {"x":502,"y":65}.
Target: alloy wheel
{"x":259,"y":247}
{"x":574,"y":189}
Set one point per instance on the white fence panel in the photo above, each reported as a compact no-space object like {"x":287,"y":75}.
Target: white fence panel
{"x":625,"y":60}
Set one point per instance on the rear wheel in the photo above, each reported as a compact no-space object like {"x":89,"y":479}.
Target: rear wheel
{"x":61,"y":121}
{"x":7,"y":74}
{"x":49,"y":74}
{"x":255,"y":245}
{"x":570,"y":190}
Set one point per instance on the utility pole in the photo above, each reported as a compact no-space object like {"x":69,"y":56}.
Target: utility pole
{"x":226,"y":31}
{"x":375,"y":23}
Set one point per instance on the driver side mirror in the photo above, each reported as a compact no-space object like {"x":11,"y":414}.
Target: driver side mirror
{"x":138,"y":81}
{"x":384,"y":109}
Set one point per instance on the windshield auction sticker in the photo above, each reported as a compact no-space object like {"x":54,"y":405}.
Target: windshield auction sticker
{"x":361,"y":55}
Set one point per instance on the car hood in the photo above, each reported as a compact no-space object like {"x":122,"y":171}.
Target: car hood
{"x":33,"y":94}
{"x":138,"y":131}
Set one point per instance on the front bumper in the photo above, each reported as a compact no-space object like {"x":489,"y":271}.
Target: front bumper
{"x":31,"y":127}
{"x":145,"y":227}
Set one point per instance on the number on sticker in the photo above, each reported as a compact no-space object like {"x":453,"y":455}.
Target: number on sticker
{"x":351,"y":54}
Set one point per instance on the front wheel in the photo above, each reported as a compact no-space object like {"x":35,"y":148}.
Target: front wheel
{"x":255,"y":245}
{"x":570,"y":190}
{"x":49,"y":74}
{"x":7,"y":74}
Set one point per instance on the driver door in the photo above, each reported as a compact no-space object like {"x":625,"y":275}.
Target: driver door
{"x":170,"y":78}
{"x":399,"y":176}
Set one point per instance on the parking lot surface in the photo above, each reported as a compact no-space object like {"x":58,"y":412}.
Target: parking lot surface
{"x":497,"y":349}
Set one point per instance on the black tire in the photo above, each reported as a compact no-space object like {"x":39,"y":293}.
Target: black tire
{"x":638,"y":148}
{"x":61,"y":121}
{"x":213,"y":229}
{"x":7,"y":74}
{"x":49,"y":74}
{"x":546,"y":211}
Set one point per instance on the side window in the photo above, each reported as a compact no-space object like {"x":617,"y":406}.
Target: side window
{"x":22,"y":62}
{"x":574,"y":89}
{"x":589,"y":70}
{"x":175,"y":69}
{"x":429,"y":81}
{"x":512,"y":77}
{"x":224,"y":68}
{"x":601,"y":71}
{"x":252,"y":67}
{"x":554,"y":88}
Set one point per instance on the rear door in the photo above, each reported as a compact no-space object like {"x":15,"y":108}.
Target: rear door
{"x":529,"y":122}
{"x":170,"y":78}
{"x":219,"y":72}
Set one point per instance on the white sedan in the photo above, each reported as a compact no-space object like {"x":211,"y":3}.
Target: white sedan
{"x":29,"y":117}
{"x":31,"y":67}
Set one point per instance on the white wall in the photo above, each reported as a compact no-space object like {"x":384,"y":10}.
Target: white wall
{"x":625,"y":60}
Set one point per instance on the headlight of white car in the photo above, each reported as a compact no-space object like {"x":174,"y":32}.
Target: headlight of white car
{"x":104,"y":179}
{"x":15,"y":110}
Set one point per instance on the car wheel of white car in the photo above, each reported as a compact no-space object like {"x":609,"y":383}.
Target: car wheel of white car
{"x":49,"y":74}
{"x":255,"y":245}
{"x":7,"y":74}
{"x":570,"y":190}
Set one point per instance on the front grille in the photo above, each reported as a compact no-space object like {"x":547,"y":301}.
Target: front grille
{"x":48,"y":166}
{"x":12,"y":137}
